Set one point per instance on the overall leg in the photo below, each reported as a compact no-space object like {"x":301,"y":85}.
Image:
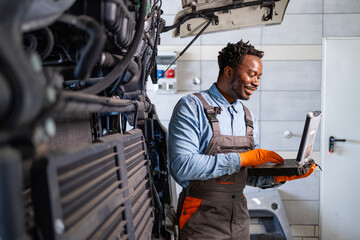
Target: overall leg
{"x":208,"y":220}
{"x":240,"y":226}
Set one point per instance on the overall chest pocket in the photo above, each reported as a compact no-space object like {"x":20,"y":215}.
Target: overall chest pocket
{"x":236,"y":149}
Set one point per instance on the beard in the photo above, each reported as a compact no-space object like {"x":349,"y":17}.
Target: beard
{"x":237,"y":89}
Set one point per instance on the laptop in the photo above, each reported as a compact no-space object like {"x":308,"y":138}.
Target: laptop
{"x":303,"y":162}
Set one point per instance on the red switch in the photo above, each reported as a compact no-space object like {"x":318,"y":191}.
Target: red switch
{"x":170,"y":73}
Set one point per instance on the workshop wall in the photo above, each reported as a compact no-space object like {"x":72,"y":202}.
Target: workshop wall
{"x":290,"y":86}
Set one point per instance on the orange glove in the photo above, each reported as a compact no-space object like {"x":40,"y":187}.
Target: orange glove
{"x":280,"y":179}
{"x":259,"y":156}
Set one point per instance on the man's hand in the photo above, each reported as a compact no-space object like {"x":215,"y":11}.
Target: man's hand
{"x":280,"y":179}
{"x":259,"y":156}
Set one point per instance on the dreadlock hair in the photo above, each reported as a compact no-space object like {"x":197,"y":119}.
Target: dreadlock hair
{"x":233,"y":54}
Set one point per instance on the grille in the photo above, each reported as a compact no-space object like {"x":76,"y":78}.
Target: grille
{"x":139,"y":187}
{"x":98,"y":192}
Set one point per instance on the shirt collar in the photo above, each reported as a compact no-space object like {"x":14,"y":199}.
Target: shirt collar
{"x":221,"y":100}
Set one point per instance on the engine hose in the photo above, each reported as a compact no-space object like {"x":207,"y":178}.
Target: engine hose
{"x":88,"y":82}
{"x":33,"y":43}
{"x":117,"y":83}
{"x":49,"y":45}
{"x":5,"y":97}
{"x":93,"y":49}
{"x":115,"y":73}
{"x":135,"y":68}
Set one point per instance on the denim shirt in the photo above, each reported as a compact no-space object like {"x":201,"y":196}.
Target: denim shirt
{"x":190,"y":132}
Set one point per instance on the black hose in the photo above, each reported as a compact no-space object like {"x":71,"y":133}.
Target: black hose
{"x":135,"y":67}
{"x":49,"y":43}
{"x":33,"y":43}
{"x":88,"y":82}
{"x":117,"y":83}
{"x":5,"y":97}
{"x":94,"y":47}
{"x":115,"y":73}
{"x":80,"y":102}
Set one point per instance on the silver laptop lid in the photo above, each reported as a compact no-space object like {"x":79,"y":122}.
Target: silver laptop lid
{"x":309,"y":135}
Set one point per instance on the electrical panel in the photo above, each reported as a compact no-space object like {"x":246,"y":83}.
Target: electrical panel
{"x":166,"y":73}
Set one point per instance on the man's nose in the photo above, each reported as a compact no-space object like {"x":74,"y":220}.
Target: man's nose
{"x":256,"y":81}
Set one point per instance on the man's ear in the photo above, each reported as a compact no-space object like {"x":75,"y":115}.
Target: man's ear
{"x":228,"y":72}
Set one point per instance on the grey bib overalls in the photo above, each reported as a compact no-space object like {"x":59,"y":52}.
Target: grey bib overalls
{"x":216,"y":208}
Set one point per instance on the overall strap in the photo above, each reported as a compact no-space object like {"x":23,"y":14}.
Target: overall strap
{"x":211,"y":113}
{"x":249,"y":122}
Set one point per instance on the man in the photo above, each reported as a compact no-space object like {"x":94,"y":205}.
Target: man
{"x":212,"y":139}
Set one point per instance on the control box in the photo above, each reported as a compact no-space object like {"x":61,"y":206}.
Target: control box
{"x":166,"y":75}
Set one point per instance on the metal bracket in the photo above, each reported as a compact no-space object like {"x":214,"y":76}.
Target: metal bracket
{"x":271,"y":6}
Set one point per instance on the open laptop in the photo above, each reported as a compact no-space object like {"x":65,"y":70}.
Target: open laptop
{"x":303,"y":162}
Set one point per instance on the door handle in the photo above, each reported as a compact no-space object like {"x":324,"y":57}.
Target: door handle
{"x":332,"y":141}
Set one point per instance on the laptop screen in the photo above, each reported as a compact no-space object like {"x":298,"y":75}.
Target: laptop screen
{"x":309,"y":136}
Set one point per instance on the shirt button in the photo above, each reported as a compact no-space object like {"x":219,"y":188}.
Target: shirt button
{"x":233,"y":196}
{"x":184,"y":213}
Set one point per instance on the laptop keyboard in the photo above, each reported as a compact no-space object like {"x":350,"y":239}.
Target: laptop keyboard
{"x":290,"y":163}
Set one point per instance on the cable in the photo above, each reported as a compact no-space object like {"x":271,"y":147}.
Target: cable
{"x":187,"y":46}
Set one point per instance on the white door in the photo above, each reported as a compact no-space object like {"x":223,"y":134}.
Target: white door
{"x":340,"y":179}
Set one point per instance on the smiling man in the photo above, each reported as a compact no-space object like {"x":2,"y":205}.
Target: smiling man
{"x":213,"y":138}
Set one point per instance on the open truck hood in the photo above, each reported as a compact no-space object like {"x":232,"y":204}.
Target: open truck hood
{"x":227,"y":14}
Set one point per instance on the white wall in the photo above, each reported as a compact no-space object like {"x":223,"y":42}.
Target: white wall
{"x":290,"y":86}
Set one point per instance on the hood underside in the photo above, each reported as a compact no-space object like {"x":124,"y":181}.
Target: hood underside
{"x":227,"y":15}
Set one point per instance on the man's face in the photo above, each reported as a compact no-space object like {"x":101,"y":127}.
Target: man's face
{"x":246,"y":78}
